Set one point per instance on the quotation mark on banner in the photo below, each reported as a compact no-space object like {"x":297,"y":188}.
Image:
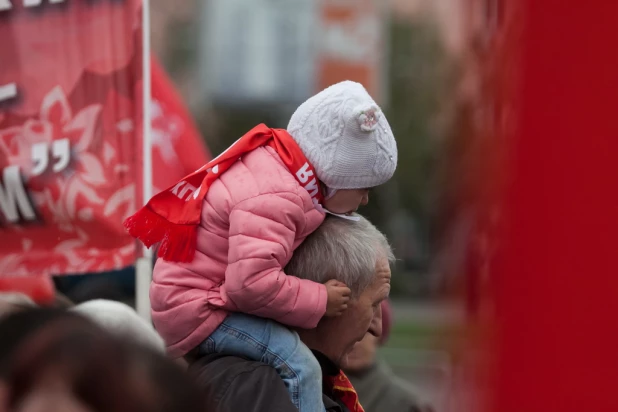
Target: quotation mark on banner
{"x":6,"y":4}
{"x":60,"y":152}
{"x":8,"y":91}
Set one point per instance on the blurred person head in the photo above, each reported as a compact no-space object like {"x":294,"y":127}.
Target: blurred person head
{"x":357,"y":254}
{"x":12,"y":302}
{"x":53,"y":360}
{"x":122,"y":321}
{"x":364,"y":353}
{"x":347,"y":139}
{"x":61,"y":301}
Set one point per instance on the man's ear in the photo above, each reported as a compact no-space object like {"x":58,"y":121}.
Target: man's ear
{"x":375,"y":327}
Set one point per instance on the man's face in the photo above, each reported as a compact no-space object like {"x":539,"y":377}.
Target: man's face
{"x":364,"y":315}
{"x":363,"y":355}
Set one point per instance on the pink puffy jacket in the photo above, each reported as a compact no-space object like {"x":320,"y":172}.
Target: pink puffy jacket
{"x":253,"y":218}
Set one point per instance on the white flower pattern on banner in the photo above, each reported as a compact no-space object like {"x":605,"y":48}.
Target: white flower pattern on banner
{"x":166,"y":130}
{"x":83,"y":199}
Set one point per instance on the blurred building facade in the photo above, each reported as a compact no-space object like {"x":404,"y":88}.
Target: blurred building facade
{"x":173,"y":23}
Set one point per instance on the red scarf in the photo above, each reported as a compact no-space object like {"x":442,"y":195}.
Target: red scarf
{"x":171,"y":217}
{"x":342,"y":387}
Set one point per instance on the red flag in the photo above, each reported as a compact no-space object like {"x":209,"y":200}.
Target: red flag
{"x":177,"y":146}
{"x":38,"y":288}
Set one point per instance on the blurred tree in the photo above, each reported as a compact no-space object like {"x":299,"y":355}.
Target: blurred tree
{"x":222,"y":126}
{"x":420,"y":81}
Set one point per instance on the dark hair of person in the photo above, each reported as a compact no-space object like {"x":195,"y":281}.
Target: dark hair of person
{"x":103,"y":372}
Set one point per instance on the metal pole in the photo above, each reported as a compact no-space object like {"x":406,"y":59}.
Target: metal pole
{"x":143,"y":266}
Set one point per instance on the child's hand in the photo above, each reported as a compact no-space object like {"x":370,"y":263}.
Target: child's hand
{"x":338,"y":297}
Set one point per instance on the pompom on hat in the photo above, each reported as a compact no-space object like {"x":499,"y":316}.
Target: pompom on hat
{"x":346,"y":137}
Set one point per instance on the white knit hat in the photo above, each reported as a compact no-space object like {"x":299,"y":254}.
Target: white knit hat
{"x":122,"y":321}
{"x":345,"y":136}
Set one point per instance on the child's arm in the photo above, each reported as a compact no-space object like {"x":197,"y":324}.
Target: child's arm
{"x":261,"y":239}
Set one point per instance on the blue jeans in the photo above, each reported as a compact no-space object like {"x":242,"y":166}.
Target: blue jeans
{"x":267,"y":341}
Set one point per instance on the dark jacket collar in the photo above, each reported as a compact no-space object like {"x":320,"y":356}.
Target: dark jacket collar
{"x":331,"y":402}
{"x":328,"y":366}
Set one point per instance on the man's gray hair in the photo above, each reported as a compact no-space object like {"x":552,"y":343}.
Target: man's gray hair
{"x":344,"y":250}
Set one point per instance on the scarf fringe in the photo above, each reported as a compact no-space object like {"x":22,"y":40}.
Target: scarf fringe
{"x":177,"y":242}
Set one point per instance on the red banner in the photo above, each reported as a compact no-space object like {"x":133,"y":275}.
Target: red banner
{"x":69,"y":134}
{"x":557,"y":283}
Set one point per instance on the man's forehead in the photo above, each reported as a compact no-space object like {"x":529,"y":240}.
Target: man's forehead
{"x":380,"y":287}
{"x":383,"y":270}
